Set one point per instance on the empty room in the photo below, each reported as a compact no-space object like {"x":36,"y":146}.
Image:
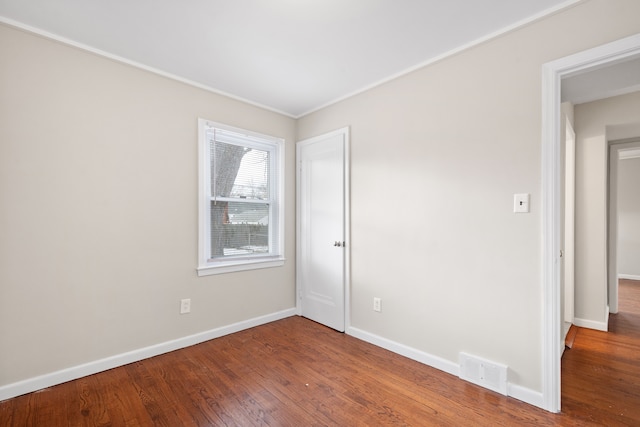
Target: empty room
{"x":337,"y":212}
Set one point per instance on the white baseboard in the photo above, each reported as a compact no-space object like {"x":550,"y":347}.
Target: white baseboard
{"x":525,"y":395}
{"x":43,"y":381}
{"x":513,"y":390}
{"x":628,"y":276}
{"x":591,"y":324}
{"x":404,"y":350}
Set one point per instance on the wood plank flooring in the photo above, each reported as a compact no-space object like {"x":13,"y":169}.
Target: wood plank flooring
{"x":601,"y":372}
{"x":295,"y":372}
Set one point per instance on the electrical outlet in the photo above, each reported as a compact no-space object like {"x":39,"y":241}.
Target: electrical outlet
{"x":185,"y":306}
{"x":377,"y":304}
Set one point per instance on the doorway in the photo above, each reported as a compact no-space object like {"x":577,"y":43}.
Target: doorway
{"x":624,"y":150}
{"x":323,"y":228}
{"x":553,"y":72}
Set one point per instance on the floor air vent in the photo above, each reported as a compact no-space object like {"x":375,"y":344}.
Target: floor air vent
{"x":484,"y":373}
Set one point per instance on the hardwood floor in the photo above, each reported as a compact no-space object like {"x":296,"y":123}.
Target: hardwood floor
{"x":601,"y":372}
{"x":295,"y":372}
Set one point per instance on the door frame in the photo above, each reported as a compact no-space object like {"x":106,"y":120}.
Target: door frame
{"x":552,"y":73}
{"x":345,"y":132}
{"x":615,"y":148}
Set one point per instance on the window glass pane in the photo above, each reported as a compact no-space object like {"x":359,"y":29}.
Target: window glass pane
{"x":239,"y":228}
{"x":240,"y":207}
{"x":239,"y":172}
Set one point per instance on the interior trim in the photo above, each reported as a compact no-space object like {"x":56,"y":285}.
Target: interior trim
{"x":58,"y":377}
{"x":552,"y":73}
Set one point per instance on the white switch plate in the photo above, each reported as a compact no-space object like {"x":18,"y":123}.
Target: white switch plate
{"x":377,"y":304}
{"x":521,"y":203}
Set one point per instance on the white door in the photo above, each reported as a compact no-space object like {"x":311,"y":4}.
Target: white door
{"x":321,"y":228}
{"x":569,"y":223}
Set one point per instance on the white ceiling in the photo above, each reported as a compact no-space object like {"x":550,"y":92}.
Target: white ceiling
{"x":602,"y":82}
{"x":292,"y":56}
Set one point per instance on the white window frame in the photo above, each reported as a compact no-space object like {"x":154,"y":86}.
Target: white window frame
{"x":275,"y":257}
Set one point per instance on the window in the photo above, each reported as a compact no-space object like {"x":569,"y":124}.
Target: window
{"x":241,"y":205}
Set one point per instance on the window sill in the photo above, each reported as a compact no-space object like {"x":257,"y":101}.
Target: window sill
{"x":243,"y":265}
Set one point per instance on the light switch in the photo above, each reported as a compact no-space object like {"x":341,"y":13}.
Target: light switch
{"x":521,"y":203}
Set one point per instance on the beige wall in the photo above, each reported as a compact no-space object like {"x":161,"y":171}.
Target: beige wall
{"x":592,"y":121}
{"x":98,"y":217}
{"x":629,"y":217}
{"x":98,"y":182}
{"x":436,"y":158}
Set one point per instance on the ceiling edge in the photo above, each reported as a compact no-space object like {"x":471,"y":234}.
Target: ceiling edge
{"x":605,"y":95}
{"x":533,"y":18}
{"x":55,"y":37}
{"x":39,"y":32}
{"x":629,"y":154}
